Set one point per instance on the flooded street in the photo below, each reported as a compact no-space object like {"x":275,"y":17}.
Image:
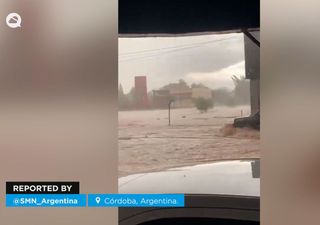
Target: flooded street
{"x":147,"y":143}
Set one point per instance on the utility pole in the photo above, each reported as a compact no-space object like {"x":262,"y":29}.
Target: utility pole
{"x":169,"y":111}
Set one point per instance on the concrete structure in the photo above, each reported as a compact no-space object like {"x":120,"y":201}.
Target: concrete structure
{"x":252,"y":64}
{"x":141,"y":92}
{"x":252,"y":59}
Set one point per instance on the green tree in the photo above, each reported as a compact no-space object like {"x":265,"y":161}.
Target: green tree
{"x":203,"y":104}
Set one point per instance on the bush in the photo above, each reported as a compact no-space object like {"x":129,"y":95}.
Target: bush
{"x":203,"y":104}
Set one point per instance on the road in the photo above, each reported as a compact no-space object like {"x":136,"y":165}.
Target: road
{"x":147,"y":143}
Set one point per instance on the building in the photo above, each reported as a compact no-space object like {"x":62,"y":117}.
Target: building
{"x":182,"y":99}
{"x":161,"y":98}
{"x":140,"y":92}
{"x":182,"y":95}
{"x":201,"y":92}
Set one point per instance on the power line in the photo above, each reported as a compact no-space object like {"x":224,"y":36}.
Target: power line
{"x":156,"y":54}
{"x":172,"y":47}
{"x":137,"y":54}
{"x":151,"y":55}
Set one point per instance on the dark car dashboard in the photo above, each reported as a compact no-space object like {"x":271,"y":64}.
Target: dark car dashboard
{"x":199,"y":209}
{"x":223,"y":192}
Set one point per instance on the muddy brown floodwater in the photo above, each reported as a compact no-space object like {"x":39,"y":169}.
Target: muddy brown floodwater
{"x":147,"y":143}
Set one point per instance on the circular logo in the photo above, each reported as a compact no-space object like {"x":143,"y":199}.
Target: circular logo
{"x":14,"y":20}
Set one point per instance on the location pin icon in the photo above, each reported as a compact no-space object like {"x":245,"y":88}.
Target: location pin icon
{"x":98,"y":199}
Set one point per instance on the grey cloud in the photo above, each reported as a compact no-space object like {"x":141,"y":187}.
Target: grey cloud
{"x":169,"y":66}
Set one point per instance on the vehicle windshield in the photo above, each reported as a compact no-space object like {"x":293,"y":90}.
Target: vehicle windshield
{"x":179,"y":98}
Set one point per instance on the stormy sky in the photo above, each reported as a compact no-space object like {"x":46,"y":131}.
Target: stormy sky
{"x":207,"y":59}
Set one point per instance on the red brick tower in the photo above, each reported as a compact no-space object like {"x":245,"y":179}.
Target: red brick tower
{"x":141,"y":92}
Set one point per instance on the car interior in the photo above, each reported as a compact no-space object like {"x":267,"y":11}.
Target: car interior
{"x":199,"y":221}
